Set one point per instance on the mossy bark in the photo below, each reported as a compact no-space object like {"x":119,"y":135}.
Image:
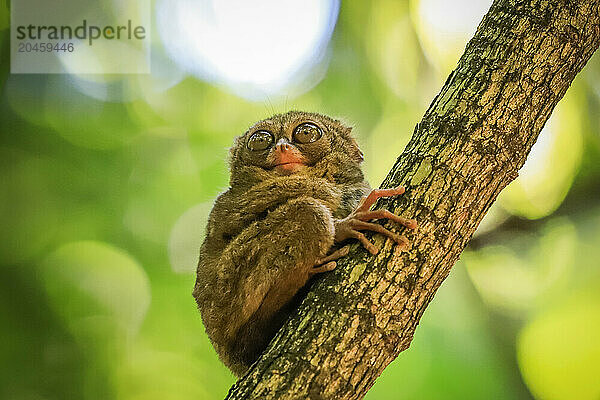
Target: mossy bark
{"x":470,"y":144}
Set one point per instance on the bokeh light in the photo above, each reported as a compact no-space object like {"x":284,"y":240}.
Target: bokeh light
{"x":393,"y":48}
{"x":515,"y":281}
{"x":558,"y":350}
{"x":87,"y":279}
{"x":255,"y":49}
{"x":445,"y":27}
{"x":183,"y":242}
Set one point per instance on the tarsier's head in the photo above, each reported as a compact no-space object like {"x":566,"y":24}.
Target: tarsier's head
{"x":291,"y":143}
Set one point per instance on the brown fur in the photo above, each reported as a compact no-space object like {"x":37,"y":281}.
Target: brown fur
{"x":267,"y":231}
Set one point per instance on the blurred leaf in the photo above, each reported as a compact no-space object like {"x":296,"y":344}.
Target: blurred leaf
{"x":178,"y":105}
{"x":87,"y":279}
{"x":22,"y":93}
{"x":154,"y":375}
{"x":445,"y":27}
{"x":350,"y":66}
{"x":55,"y":101}
{"x":4,"y":15}
{"x":387,"y":139}
{"x":163,"y":183}
{"x":516,"y":279}
{"x":28,"y":205}
{"x":503,"y":279}
{"x":38,"y":355}
{"x":186,"y":236}
{"x":84,"y":121}
{"x":558,"y":350}
{"x":174,"y":325}
{"x":102,"y":295}
{"x":393,"y":48}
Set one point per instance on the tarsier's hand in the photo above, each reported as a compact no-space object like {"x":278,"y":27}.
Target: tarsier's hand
{"x":350,"y":226}
{"x":328,"y":263}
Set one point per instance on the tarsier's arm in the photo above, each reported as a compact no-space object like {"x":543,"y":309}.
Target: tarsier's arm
{"x":235,"y":210}
{"x":245,"y":284}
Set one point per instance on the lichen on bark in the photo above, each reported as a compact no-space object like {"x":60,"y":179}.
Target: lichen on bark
{"x":470,"y":144}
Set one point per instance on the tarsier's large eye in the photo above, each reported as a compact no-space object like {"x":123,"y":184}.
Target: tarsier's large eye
{"x":260,"y":140}
{"x":307,"y":132}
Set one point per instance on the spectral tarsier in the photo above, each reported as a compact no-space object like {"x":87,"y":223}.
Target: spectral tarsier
{"x":296,"y":192}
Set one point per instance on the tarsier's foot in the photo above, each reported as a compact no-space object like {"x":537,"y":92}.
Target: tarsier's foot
{"x":350,"y":226}
{"x":328,"y":263}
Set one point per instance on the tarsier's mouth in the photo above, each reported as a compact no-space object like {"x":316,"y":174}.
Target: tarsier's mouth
{"x":288,"y":161}
{"x":289,"y":167}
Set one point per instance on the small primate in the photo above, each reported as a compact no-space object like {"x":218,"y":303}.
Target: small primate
{"x":296,"y":194}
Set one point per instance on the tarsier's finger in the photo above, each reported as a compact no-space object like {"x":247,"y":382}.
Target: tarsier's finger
{"x":377,"y":214}
{"x":365,"y":242}
{"x":361,"y":225}
{"x":330,"y":266}
{"x":375,"y":194}
{"x":339,"y":253}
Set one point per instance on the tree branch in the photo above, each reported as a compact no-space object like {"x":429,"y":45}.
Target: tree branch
{"x":469,"y":145}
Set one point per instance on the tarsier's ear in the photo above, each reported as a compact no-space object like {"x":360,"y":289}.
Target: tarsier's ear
{"x":355,"y":151}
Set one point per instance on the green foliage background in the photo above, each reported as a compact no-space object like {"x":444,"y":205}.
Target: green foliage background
{"x":103,"y":205}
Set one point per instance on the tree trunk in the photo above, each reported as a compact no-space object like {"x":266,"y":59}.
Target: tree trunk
{"x":471,"y":142}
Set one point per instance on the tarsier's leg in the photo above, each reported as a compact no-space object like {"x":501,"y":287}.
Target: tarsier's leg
{"x":351,"y":226}
{"x":274,"y":256}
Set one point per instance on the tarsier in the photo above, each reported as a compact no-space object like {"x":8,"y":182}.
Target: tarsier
{"x":296,"y":194}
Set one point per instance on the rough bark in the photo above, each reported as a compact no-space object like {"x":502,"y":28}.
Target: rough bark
{"x":470,"y":144}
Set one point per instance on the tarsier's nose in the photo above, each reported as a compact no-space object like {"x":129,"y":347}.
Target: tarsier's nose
{"x":283,"y":145}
